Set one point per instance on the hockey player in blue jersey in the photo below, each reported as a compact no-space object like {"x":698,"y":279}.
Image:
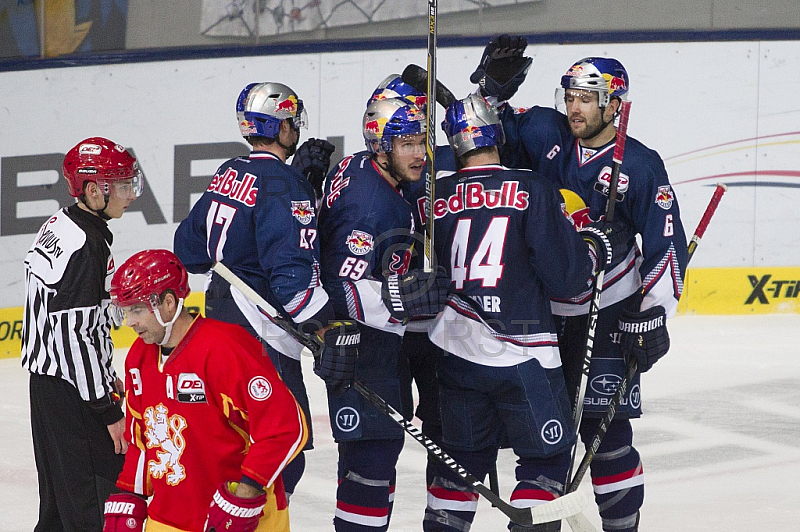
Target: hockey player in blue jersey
{"x":366,"y":238}
{"x":258,"y":216}
{"x":503,"y":237}
{"x":641,"y":288}
{"x":417,"y":353}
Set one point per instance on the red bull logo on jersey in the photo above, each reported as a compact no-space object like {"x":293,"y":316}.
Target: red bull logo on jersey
{"x":289,"y":105}
{"x":474,"y":196}
{"x":360,"y":242}
{"x":665,"y":197}
{"x":603,"y":184}
{"x":303,"y":211}
{"x":229,"y":186}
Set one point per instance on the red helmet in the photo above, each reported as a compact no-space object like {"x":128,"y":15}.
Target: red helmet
{"x":144,"y":277}
{"x":102,"y":161}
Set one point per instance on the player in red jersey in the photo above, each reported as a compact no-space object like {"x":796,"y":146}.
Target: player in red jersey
{"x":211,"y":424}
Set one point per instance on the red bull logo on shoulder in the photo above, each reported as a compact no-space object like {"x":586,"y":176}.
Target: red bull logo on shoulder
{"x":360,"y":242}
{"x":303,"y":211}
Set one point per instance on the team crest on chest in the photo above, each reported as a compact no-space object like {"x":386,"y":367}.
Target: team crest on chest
{"x":303,"y":211}
{"x":164,"y":431}
{"x":360,"y":242}
{"x":665,"y":197}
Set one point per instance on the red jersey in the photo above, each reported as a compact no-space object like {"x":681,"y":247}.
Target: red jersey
{"x":214,"y":410}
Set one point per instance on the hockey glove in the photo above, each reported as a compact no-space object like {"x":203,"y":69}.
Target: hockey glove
{"x":502,"y":68}
{"x":336,"y":363}
{"x":644,"y":336}
{"x":606,"y":242}
{"x":229,"y":513}
{"x":124,"y":512}
{"x":416,"y":294}
{"x":312,"y":159}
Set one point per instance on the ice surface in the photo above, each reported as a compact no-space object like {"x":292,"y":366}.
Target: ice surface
{"x":720,"y":439}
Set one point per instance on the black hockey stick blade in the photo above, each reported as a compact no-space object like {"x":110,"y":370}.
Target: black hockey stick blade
{"x":417,"y":77}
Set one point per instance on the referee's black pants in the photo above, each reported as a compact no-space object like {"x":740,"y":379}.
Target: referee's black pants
{"x":75,"y":459}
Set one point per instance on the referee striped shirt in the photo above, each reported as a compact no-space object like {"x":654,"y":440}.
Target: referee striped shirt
{"x":67,"y":319}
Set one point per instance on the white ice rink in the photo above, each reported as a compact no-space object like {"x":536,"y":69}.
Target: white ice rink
{"x":720,"y":439}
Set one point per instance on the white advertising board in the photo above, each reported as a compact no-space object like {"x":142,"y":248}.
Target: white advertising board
{"x":718,"y":111}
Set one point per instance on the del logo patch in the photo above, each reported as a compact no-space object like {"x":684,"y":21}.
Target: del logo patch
{"x":303,"y":211}
{"x":191,"y":388}
{"x":665,"y":197}
{"x":359,"y":242}
{"x":603,"y":184}
{"x":260,"y":389}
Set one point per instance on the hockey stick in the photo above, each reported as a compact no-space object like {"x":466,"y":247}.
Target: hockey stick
{"x":597,"y":288}
{"x":430,"y":138}
{"x":417,"y":77}
{"x":555,"y":510}
{"x":633,"y":367}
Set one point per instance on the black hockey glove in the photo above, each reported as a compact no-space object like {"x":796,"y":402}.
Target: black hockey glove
{"x":336,"y":363}
{"x":416,"y":294}
{"x":312,"y":159}
{"x":644,"y":336}
{"x":606,"y":241}
{"x":502,"y":68}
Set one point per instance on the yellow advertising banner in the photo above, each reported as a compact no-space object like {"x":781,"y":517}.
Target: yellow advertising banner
{"x":11,"y":327}
{"x":741,"y":291}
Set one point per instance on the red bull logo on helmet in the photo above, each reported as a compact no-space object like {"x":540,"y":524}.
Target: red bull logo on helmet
{"x":360,"y":242}
{"x":289,"y":105}
{"x":247,"y":128}
{"x":615,"y":84}
{"x":575,"y":70}
{"x":419,"y":101}
{"x":665,"y":197}
{"x":375,"y":126}
{"x":471,"y":132}
{"x":303,"y":211}
{"x":415,"y":114}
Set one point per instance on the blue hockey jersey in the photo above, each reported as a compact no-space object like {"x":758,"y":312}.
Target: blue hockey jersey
{"x":366,"y":232}
{"x":646,"y":202}
{"x":258,"y":217}
{"x":508,"y":248}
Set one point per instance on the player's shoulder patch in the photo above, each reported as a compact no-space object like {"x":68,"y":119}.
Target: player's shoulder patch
{"x":360,"y":242}
{"x":259,"y":388}
{"x":303,"y":211}
{"x":665,"y":197}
